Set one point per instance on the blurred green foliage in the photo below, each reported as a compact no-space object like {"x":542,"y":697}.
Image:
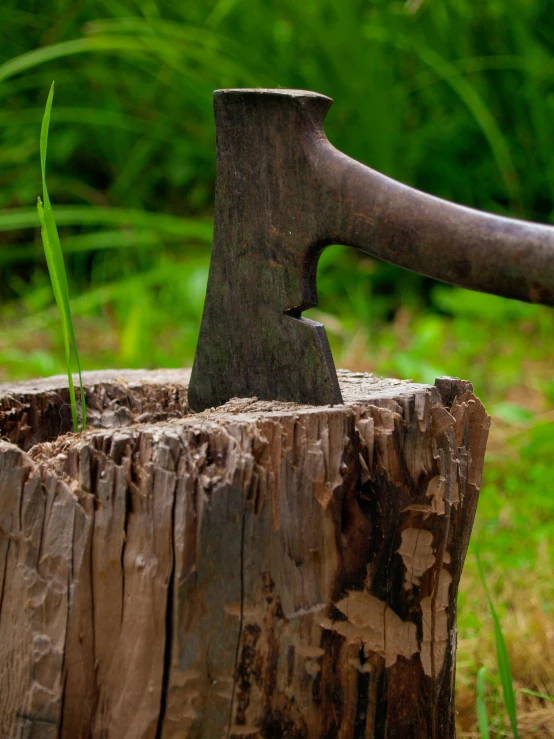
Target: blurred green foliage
{"x":455,"y":97}
{"x":451,"y":96}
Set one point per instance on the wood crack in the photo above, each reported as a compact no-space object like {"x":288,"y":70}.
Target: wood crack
{"x":169,"y":631}
{"x":241,"y":616}
{"x":4,"y":575}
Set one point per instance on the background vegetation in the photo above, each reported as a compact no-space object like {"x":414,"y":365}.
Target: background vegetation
{"x":455,"y":97}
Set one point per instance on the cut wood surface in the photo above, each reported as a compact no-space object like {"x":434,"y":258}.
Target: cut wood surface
{"x":39,"y":410}
{"x":261,"y":569}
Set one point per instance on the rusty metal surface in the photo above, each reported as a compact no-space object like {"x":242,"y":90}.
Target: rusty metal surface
{"x":284,"y":193}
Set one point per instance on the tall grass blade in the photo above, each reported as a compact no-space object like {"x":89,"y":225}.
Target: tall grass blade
{"x":542,"y":696}
{"x":30,"y":59}
{"x":482,"y":716}
{"x":56,"y":269}
{"x":138,"y":45}
{"x":45,"y":54}
{"x":503,"y":661}
{"x":101,"y":241}
{"x":482,"y":114}
{"x":59,"y":301}
{"x":85,"y":215}
{"x":468,"y":94}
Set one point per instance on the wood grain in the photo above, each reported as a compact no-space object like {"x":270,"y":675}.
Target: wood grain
{"x":262,"y":569}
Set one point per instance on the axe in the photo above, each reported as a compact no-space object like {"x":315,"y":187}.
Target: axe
{"x":284,"y":193}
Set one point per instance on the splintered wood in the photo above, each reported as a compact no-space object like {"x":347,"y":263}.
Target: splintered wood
{"x":262,"y":569}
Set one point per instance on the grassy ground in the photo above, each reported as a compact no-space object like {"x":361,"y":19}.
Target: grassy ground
{"x":452,"y":96}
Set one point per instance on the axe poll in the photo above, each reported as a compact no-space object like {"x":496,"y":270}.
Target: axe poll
{"x":284,"y":193}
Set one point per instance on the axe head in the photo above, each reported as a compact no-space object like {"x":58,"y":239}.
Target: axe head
{"x":283,"y":193}
{"x":268,"y":236}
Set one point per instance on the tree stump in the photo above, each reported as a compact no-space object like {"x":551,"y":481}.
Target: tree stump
{"x":260,"y":569}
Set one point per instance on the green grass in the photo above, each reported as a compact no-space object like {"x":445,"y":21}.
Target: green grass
{"x":542,"y":696}
{"x":482,"y":715}
{"x":56,"y":269}
{"x":504,"y":674}
{"x":503,"y":663}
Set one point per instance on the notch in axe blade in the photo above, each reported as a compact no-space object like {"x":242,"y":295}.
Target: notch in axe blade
{"x":284,"y":193}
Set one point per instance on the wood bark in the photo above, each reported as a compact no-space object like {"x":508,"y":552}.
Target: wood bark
{"x":261,"y":569}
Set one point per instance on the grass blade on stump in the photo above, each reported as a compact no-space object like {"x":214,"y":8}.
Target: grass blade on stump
{"x":56,"y":269}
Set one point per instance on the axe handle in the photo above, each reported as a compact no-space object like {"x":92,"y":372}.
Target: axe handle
{"x":433,"y":237}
